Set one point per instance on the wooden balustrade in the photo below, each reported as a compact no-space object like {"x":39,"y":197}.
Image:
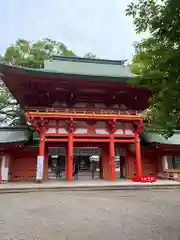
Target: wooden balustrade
{"x":84,"y":111}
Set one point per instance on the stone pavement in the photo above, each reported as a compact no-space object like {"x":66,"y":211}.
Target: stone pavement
{"x":77,"y":185}
{"x":89,"y":215}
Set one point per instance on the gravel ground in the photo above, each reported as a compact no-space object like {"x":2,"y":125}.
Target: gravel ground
{"x":109,"y":215}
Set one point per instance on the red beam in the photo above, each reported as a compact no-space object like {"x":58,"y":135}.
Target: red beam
{"x":51,"y":140}
{"x":103,"y":140}
{"x":104,"y":135}
{"x":89,"y":135}
{"x":124,"y":140}
{"x":123,"y":136}
{"x":90,"y":140}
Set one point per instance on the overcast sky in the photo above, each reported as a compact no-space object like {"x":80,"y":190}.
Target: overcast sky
{"x":97,"y":26}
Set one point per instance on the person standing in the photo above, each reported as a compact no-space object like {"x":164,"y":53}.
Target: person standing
{"x":93,"y":169}
{"x":76,"y":171}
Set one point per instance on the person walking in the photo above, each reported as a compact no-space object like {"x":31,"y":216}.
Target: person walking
{"x":58,"y":172}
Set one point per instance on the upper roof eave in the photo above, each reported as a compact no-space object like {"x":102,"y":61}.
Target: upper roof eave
{"x":4,"y":68}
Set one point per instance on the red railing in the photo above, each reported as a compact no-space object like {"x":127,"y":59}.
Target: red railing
{"x":84,"y":111}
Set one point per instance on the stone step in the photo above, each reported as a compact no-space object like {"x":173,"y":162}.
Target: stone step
{"x":44,"y":188}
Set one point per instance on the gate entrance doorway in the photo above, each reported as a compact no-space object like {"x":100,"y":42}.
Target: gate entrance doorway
{"x":81,"y":158}
{"x":56,"y":158}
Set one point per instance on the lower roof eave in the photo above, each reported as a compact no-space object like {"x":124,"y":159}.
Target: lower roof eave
{"x":166,"y":146}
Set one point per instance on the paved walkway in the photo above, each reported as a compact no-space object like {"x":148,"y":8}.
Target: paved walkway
{"x":89,"y":215}
{"x":88,"y":184}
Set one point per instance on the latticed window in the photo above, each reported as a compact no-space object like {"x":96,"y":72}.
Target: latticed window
{"x":87,"y":151}
{"x":173,"y":162}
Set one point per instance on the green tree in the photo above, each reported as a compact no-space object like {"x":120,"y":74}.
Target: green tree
{"x":10,"y":112}
{"x":157,"y":59}
{"x":26,"y":54}
{"x":31,"y":55}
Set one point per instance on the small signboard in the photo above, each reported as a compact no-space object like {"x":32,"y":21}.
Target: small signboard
{"x":144,"y":179}
{"x":40,"y":165}
{"x":4,"y":168}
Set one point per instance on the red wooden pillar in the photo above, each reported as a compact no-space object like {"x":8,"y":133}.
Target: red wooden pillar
{"x":70,"y":158}
{"x":42,"y":145}
{"x":138,"y":156}
{"x":126,"y":161}
{"x":46,"y":158}
{"x":164,"y":163}
{"x":66,"y":162}
{"x":101,"y":167}
{"x":112,"y":158}
{"x":0,"y":169}
{"x":105,"y":162}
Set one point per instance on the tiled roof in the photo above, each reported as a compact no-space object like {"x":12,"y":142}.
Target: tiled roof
{"x":158,"y":139}
{"x":14,"y":135}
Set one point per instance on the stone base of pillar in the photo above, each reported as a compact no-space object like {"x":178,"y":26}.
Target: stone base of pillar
{"x":4,"y":182}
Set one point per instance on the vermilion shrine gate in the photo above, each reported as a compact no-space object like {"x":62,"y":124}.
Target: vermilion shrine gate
{"x":76,"y":102}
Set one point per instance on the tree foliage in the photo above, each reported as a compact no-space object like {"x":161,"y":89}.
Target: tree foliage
{"x":157,"y":59}
{"x":10,"y":111}
{"x":31,"y":55}
{"x":26,"y":54}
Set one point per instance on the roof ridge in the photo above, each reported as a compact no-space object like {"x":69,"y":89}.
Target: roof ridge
{"x":89,"y":60}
